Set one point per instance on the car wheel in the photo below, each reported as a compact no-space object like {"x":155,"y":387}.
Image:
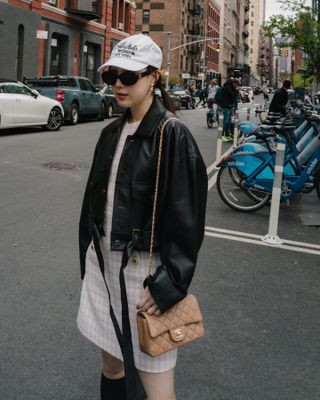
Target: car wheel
{"x":102,"y":112}
{"x":109,"y":110}
{"x":74,"y":115}
{"x":55,"y":119}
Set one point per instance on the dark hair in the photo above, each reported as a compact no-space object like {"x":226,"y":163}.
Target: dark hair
{"x":286,"y":84}
{"x":164,"y":94}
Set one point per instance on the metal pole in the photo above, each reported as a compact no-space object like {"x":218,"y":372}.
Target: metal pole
{"x":248,"y":114}
{"x":236,"y":129}
{"x":272,"y":236}
{"x":168,"y":59}
{"x":219,"y":139}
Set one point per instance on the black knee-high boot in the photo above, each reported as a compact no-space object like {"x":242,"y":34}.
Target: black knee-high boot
{"x":112,"y":389}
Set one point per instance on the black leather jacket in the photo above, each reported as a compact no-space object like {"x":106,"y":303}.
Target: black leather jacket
{"x":181,"y":200}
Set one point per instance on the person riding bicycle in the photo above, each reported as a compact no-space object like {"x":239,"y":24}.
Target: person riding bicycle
{"x":229,"y":102}
{"x":212,"y":90}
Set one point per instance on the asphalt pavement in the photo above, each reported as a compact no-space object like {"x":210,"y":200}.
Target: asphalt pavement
{"x":260,"y":302}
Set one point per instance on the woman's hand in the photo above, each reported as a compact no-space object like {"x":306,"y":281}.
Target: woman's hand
{"x":147,"y":303}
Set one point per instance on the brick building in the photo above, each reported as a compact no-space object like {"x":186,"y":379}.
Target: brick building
{"x":70,"y":37}
{"x":212,"y":48}
{"x":174,"y":23}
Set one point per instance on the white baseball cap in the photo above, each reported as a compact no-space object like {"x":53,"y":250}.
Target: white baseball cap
{"x":134,"y":53}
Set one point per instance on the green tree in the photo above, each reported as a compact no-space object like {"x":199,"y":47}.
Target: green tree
{"x":299,"y":30}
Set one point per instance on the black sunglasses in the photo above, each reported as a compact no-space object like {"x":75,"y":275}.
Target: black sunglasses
{"x":128,"y":78}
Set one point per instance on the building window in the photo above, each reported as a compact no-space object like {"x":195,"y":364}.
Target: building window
{"x":145,"y":16}
{"x":113,"y":43}
{"x":156,"y":27}
{"x":157,"y":6}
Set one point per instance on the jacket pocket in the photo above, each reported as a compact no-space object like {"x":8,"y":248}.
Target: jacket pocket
{"x":141,"y":204}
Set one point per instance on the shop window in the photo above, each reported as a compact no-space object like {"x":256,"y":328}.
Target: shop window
{"x":91,"y":60}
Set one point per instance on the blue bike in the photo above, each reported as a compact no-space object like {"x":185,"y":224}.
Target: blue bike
{"x":245,"y":178}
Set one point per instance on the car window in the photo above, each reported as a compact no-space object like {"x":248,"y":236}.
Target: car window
{"x":90,"y":87}
{"x":86,"y":85}
{"x":15,"y":88}
{"x":82,"y":84}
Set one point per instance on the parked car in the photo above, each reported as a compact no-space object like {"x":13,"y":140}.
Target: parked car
{"x":21,"y":106}
{"x":111,"y":105}
{"x":246,"y":94}
{"x":77,"y":95}
{"x":187,"y":100}
{"x":175,"y":100}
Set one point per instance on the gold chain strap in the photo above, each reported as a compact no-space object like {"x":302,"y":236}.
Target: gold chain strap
{"x":156,"y":191}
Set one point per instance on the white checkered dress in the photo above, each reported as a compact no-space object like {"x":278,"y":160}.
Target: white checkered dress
{"x":93,"y":319}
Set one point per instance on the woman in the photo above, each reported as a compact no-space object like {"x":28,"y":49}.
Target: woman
{"x":115,"y":223}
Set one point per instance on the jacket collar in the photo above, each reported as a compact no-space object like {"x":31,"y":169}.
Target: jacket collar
{"x":152,"y":118}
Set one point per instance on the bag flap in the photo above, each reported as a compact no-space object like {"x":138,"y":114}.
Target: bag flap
{"x":185,"y":312}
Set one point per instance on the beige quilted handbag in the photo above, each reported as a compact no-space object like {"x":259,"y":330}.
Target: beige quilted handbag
{"x":179,"y":325}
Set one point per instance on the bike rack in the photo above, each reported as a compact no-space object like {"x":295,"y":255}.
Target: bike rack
{"x":236,"y":129}
{"x":272,"y":236}
{"x":248,"y":114}
{"x":219,"y":138}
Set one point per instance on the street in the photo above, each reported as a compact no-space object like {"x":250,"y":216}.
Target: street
{"x":260,"y":303}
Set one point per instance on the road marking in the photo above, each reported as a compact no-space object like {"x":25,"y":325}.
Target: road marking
{"x":213,"y":165}
{"x":212,"y":181}
{"x":301,"y":247}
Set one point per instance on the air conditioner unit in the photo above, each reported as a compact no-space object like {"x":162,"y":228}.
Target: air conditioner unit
{"x":120,"y":26}
{"x":54,"y":2}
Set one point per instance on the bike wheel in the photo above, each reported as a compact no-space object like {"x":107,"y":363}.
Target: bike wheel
{"x":237,"y":176}
{"x":209,"y":121}
{"x":318,"y":189}
{"x":234,"y":195}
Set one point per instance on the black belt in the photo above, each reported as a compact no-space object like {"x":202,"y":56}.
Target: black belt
{"x":140,"y":239}
{"x":134,"y":387}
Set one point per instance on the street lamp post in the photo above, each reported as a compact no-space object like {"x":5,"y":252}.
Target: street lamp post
{"x":204,"y":39}
{"x":168,"y":59}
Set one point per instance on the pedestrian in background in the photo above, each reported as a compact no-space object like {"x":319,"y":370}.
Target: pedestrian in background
{"x":202,"y":97}
{"x":116,"y":220}
{"x":211,"y":96}
{"x":266,"y":95}
{"x":280,"y":99}
{"x":212,"y":89}
{"x":229,"y":102}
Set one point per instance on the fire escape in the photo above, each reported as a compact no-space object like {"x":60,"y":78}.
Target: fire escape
{"x":194,"y":29}
{"x":87,"y":9}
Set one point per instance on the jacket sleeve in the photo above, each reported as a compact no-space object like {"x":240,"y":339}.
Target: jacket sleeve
{"x":181,"y":218}
{"x":84,"y":226}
